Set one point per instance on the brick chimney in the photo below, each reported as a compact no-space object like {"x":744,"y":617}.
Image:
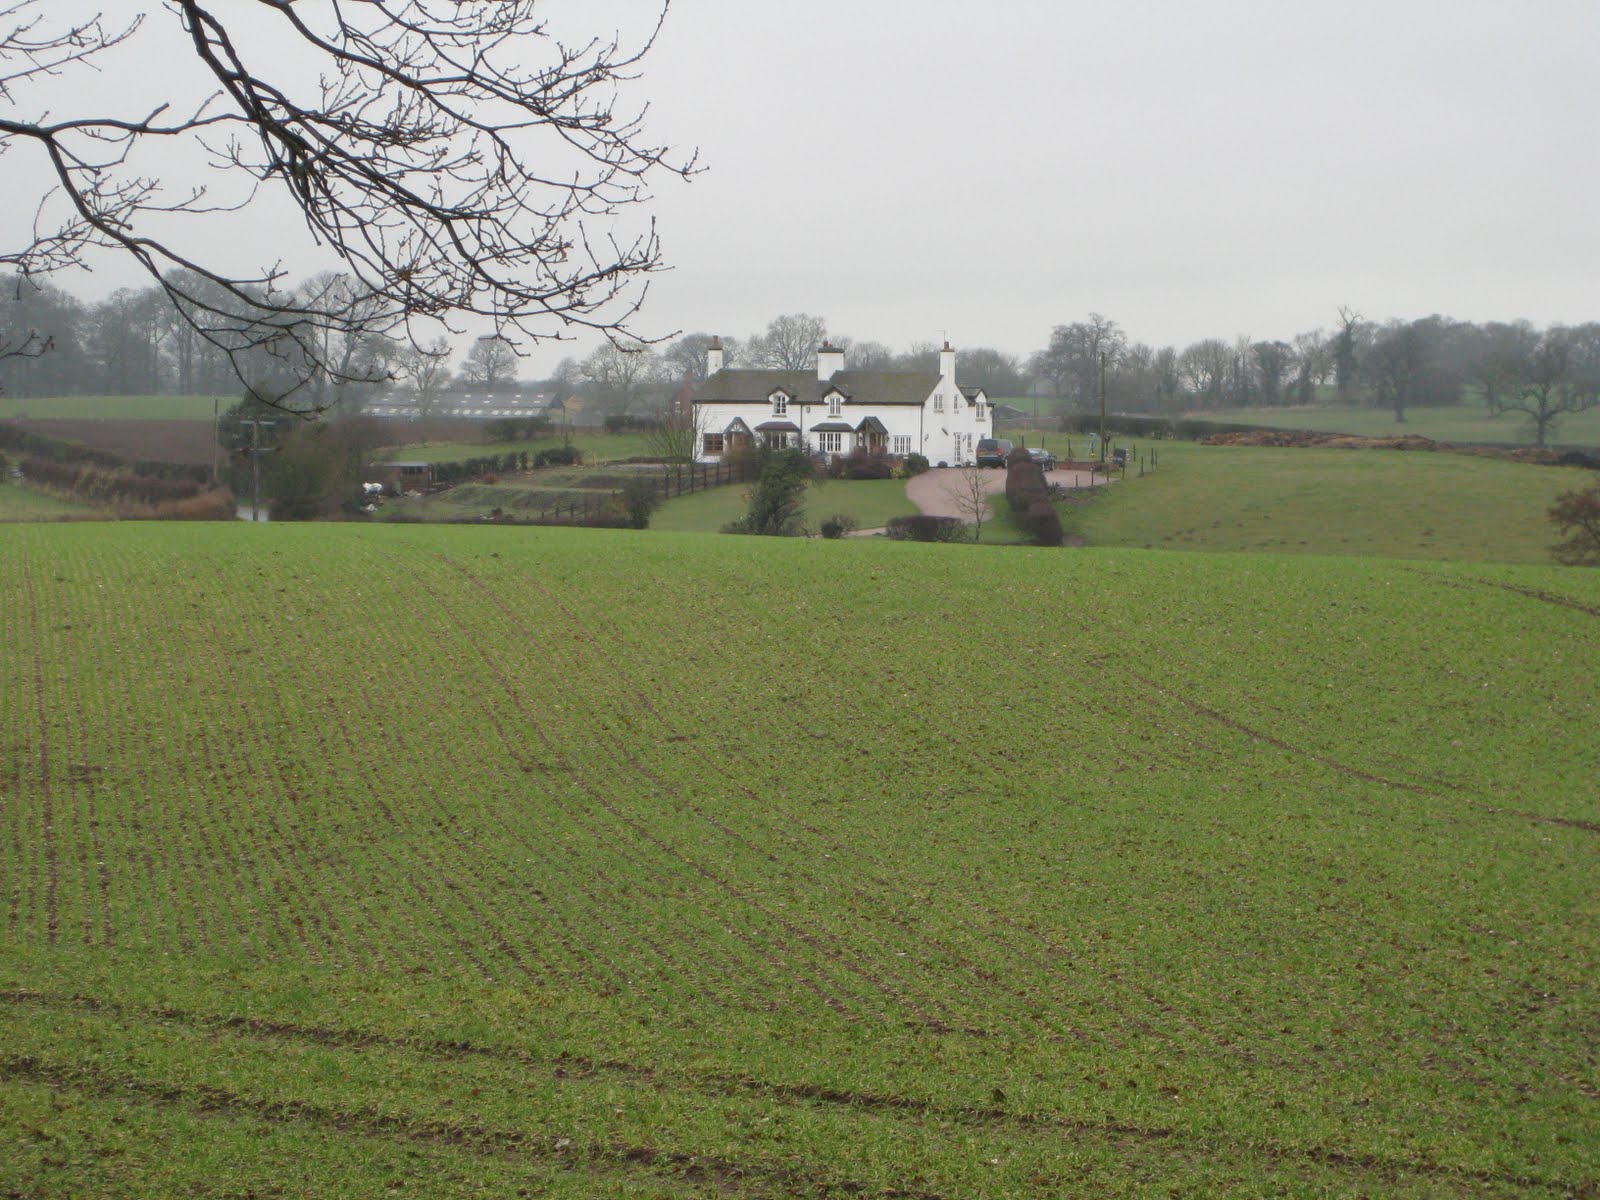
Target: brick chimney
{"x":947,"y":364}
{"x":714,"y":356}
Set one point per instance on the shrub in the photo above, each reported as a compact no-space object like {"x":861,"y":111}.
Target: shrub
{"x":838,"y":525}
{"x":925,"y":528}
{"x":1043,"y":523}
{"x":1024,"y":482}
{"x":558,"y":456}
{"x":490,"y":477}
{"x":776,"y":508}
{"x":861,"y":464}
{"x":914,"y":464}
{"x":1577,"y":515}
{"x":640,"y":498}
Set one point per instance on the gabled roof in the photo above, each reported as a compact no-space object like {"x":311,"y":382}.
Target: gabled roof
{"x":745,"y":386}
{"x":972,"y":393}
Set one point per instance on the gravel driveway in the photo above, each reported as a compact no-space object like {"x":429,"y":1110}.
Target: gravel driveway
{"x":937,"y":492}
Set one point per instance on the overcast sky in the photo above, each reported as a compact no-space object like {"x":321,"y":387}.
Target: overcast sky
{"x":1190,"y":168}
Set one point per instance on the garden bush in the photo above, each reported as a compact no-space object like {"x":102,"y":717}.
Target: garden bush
{"x":925,"y":528}
{"x":1043,"y":524}
{"x":838,"y":525}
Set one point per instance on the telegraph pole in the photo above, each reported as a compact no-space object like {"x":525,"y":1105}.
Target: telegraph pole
{"x":1102,"y":407}
{"x":256,"y":452}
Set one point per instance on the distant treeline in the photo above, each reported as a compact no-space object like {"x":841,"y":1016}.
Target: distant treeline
{"x":135,"y":342}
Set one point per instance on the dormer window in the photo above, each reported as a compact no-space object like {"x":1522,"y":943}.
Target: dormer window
{"x":834,"y":403}
{"x":780,"y":404}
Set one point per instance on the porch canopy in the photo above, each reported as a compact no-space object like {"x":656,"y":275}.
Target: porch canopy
{"x":777,"y":427}
{"x":872,"y":425}
{"x":736,"y":427}
{"x":833,"y":427}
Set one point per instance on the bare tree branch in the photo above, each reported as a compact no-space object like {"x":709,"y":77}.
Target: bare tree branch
{"x":454,"y":157}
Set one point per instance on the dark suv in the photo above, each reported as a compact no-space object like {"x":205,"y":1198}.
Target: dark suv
{"x":992,"y":452}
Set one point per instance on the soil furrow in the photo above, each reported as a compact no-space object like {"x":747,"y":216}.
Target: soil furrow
{"x":730,"y":1175}
{"x":570,"y":1066}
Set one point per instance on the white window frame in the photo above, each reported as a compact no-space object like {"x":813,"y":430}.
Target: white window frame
{"x":938,"y":402}
{"x":834,"y":405}
{"x":780,"y":405}
{"x":830,"y":443}
{"x":901,"y":443}
{"x":980,"y":410}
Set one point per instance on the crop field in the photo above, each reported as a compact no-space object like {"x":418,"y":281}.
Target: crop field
{"x":388,"y":860}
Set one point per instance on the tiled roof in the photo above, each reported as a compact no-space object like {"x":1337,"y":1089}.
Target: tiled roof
{"x":745,"y":386}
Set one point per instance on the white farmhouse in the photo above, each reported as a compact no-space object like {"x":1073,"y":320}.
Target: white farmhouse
{"x":835,"y":411}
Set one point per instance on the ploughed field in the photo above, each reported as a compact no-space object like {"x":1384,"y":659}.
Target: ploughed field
{"x":445,"y":861}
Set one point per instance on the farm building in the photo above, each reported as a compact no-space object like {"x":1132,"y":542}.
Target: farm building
{"x":835,"y":410}
{"x":405,"y":476}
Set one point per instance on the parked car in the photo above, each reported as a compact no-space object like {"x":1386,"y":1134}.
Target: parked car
{"x":1046,"y":460}
{"x":992,"y":452}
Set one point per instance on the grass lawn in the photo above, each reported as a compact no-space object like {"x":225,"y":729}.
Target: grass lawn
{"x":1378,"y":502}
{"x":21,"y":503}
{"x":870,"y":501}
{"x":123,"y":408}
{"x":1459,"y":423}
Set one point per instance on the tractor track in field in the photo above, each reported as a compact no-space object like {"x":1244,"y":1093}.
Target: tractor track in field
{"x":47,"y":813}
{"x":1357,"y":773}
{"x":1223,"y":719}
{"x":827,"y":949}
{"x":980,"y":976}
{"x":571,"y":1153}
{"x":1468,"y":583}
{"x":576,"y":1067}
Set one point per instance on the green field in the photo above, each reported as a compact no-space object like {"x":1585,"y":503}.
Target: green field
{"x":378,"y":860}
{"x":1397,"y":504}
{"x":1459,"y":423}
{"x":21,"y":503}
{"x":146,"y":408}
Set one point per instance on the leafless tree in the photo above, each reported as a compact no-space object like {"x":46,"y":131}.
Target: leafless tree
{"x":617,"y":370}
{"x":685,"y":359}
{"x":452,"y":158}
{"x":969,"y":492}
{"x":492,"y":361}
{"x":789,"y":343}
{"x":425,"y":367}
{"x":1204,"y":367}
{"x":1551,"y":384}
{"x":676,"y":435}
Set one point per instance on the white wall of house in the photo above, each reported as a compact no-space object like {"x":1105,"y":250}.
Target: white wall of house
{"x":945,"y":428}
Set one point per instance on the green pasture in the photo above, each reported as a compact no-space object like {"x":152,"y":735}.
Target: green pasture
{"x":872,"y":502}
{"x":1396,"y":504}
{"x":375,"y":860}
{"x":122,"y":408}
{"x":19,"y":502}
{"x":1457,"y":423}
